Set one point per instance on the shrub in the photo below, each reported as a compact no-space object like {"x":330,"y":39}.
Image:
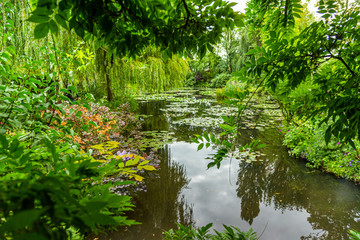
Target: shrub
{"x":92,"y":123}
{"x":47,"y":191}
{"x":307,"y":141}
{"x":220,"y":80}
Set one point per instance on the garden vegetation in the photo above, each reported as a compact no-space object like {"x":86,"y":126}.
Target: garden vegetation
{"x":67,"y":163}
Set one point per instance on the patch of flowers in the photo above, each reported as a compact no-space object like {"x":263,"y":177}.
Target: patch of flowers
{"x":93,"y":123}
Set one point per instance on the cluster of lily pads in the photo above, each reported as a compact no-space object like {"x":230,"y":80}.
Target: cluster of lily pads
{"x":197,"y":109}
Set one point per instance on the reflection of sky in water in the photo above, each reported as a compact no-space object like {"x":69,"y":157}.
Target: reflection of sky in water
{"x":279,"y":194}
{"x":215,"y":200}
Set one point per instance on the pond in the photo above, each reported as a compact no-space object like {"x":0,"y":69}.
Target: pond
{"x":269,"y":191}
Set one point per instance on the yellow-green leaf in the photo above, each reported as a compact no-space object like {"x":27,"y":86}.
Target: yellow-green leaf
{"x":149,"y":168}
{"x":138,"y":178}
{"x":132,"y":162}
{"x":143,"y":163}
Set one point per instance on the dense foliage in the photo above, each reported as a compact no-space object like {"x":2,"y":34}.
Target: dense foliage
{"x":324,"y":54}
{"x":173,"y":25}
{"x":66,"y":164}
{"x":64,"y":161}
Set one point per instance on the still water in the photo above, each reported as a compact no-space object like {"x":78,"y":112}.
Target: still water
{"x":275,"y":194}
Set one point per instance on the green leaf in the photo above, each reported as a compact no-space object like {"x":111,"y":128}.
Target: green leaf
{"x":328,"y":134}
{"x":212,"y":137}
{"x":53,"y":27}
{"x":21,"y":220}
{"x":132,"y":162}
{"x":201,"y":145}
{"x":210,"y":165}
{"x":61,"y":21}
{"x":38,"y":18}
{"x":14,"y":145}
{"x":24,"y":158}
{"x":4,"y":141}
{"x":194,"y":140}
{"x":79,"y":113}
{"x":227,"y":127}
{"x":206,"y":136}
{"x":261,"y":145}
{"x":41,"y":30}
{"x":326,"y":16}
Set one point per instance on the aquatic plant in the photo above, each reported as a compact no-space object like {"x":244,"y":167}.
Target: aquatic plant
{"x":202,"y":233}
{"x":227,"y":142}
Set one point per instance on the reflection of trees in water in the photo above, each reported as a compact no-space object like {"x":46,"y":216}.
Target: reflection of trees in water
{"x":333,"y":204}
{"x":157,"y":121}
{"x":163,"y":197}
{"x":162,"y":205}
{"x":280,"y":182}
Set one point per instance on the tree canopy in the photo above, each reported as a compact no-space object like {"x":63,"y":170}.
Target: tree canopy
{"x":127,"y":26}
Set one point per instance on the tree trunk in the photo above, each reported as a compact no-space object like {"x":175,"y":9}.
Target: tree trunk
{"x":108,"y":87}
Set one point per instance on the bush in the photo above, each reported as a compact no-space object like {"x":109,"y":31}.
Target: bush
{"x":220,"y":80}
{"x":50,"y":188}
{"x":307,"y":141}
{"x":234,"y":90}
{"x":92,"y":123}
{"x":190,"y":81}
{"x":47,"y":191}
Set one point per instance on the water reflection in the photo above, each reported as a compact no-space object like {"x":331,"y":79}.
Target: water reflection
{"x":280,"y":182}
{"x":162,"y":205}
{"x":277,"y":193}
{"x":156,"y":119}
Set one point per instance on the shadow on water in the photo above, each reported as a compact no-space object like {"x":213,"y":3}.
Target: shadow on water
{"x":276,"y":193}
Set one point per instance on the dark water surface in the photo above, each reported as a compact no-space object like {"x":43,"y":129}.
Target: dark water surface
{"x":274,"y":194}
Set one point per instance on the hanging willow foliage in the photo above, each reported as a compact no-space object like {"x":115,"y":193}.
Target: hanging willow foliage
{"x":148,"y":73}
{"x":68,"y":59}
{"x":45,"y":58}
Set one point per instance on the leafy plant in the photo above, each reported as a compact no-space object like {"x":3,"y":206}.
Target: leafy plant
{"x":48,"y":189}
{"x":306,"y":140}
{"x":227,"y":140}
{"x":220,"y":80}
{"x":354,"y":235}
{"x":130,"y":164}
{"x":331,"y":65}
{"x":173,"y":28}
{"x":202,"y":233}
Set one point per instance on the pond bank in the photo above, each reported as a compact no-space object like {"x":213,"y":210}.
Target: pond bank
{"x":338,"y":158}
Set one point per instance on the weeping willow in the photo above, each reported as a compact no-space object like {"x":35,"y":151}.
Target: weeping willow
{"x":244,"y":44}
{"x":49,"y":57}
{"x":149,"y":72}
{"x":66,"y":58}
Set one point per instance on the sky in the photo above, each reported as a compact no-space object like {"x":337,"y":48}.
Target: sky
{"x":242,"y":5}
